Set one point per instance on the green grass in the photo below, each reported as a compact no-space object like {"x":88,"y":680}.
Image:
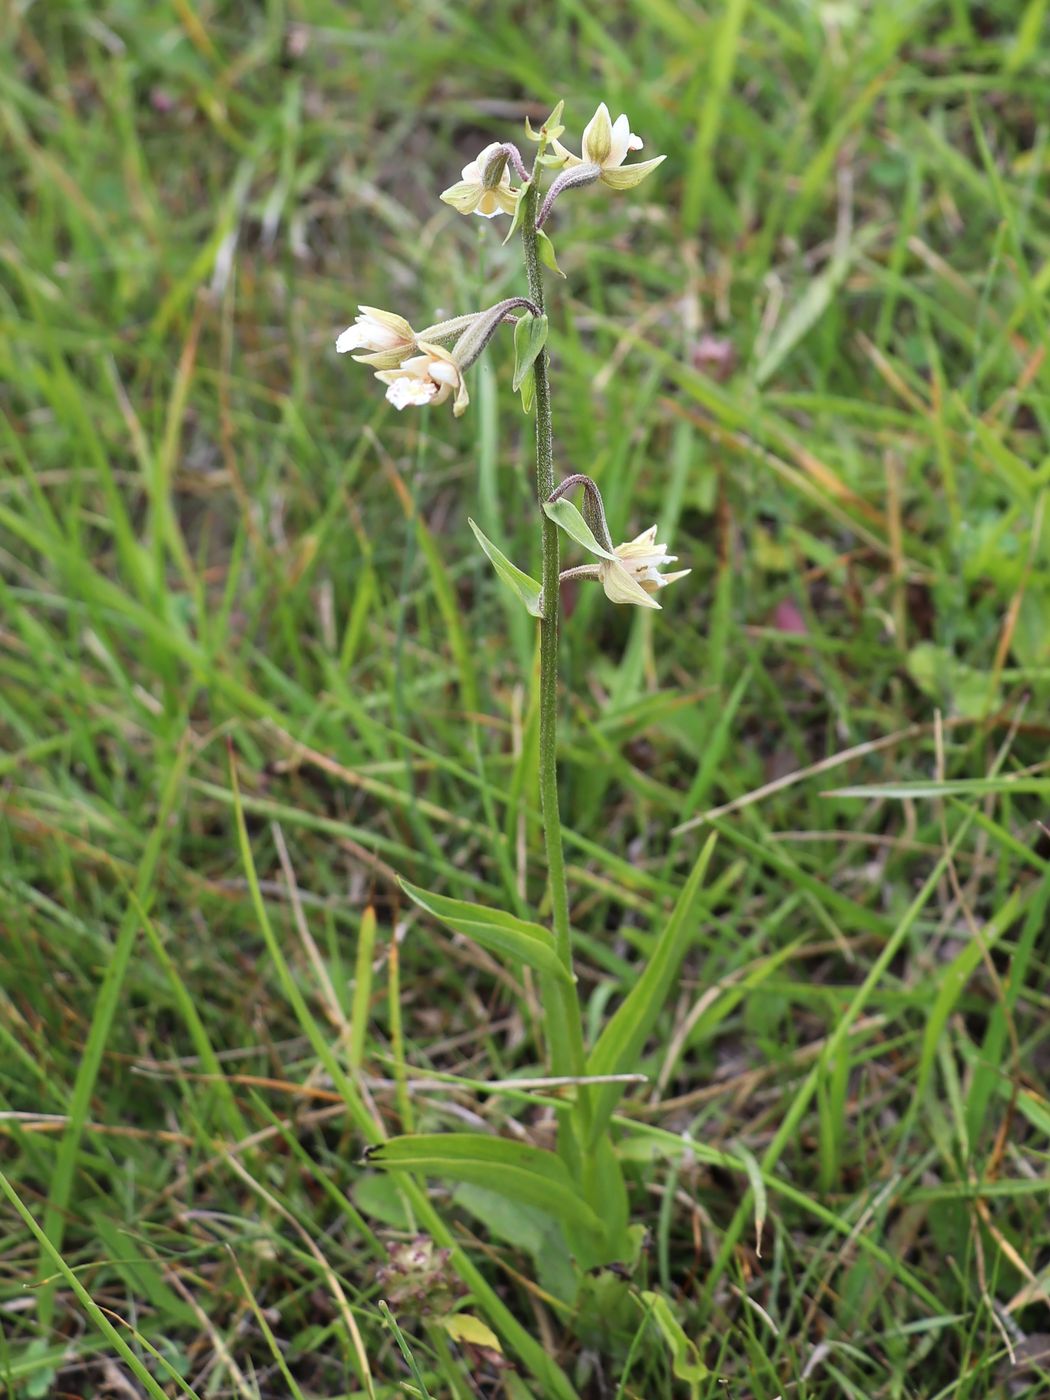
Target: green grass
{"x":254,"y":667}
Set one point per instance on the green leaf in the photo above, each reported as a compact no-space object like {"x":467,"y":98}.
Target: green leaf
{"x":685,"y":1358}
{"x":527,"y":1229}
{"x":499,"y":932}
{"x":528,"y":391}
{"x":524,"y":585}
{"x":545,"y":248}
{"x":620,"y":1044}
{"x":530,"y":336}
{"x":568,"y":518}
{"x":513,"y":1169}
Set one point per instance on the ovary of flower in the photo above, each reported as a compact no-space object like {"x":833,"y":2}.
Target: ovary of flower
{"x":471,"y":195}
{"x":605,"y":145}
{"x":430,"y":377}
{"x":635,"y":574}
{"x":386,"y":337}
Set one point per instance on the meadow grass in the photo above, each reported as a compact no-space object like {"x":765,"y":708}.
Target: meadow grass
{"x":253,"y":667}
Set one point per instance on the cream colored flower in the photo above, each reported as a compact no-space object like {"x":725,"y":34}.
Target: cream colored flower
{"x":472,"y":196}
{"x":605,"y":144}
{"x":388,"y":338}
{"x":428,"y":378}
{"x":635,"y":575}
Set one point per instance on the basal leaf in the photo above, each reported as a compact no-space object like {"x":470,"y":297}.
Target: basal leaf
{"x":516,"y":1170}
{"x":620,"y":1044}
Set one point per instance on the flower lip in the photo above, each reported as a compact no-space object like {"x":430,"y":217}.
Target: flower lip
{"x":428,"y":378}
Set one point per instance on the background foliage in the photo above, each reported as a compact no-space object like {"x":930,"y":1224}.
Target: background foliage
{"x":813,"y":347}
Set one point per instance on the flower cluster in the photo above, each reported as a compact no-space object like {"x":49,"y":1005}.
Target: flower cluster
{"x":420,"y":368}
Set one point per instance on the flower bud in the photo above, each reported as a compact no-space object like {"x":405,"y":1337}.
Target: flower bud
{"x":388,"y":338}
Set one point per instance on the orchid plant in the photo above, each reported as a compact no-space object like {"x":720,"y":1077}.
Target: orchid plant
{"x":581,"y":1183}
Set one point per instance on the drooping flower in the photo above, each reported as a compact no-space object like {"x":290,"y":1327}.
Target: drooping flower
{"x":471,"y":195}
{"x":634,"y":575}
{"x":388,"y":338}
{"x":428,"y":378}
{"x":605,"y":146}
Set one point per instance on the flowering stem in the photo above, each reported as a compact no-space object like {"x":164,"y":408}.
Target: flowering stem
{"x":564,"y":1034}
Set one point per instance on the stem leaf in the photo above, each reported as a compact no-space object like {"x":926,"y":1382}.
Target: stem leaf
{"x":501,"y":933}
{"x":530,"y":336}
{"x":523,"y":584}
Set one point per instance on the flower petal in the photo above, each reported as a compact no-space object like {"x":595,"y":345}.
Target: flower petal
{"x":621,"y":137}
{"x":353,"y":338}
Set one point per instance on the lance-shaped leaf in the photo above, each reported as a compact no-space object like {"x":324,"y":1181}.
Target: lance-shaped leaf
{"x":524,"y":585}
{"x":530,"y":336}
{"x":565,"y":515}
{"x":517,"y":1170}
{"x":545,"y":248}
{"x":496,"y":930}
{"x":621,"y":1043}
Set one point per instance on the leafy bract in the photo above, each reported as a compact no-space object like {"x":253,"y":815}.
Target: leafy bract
{"x":523,"y":585}
{"x":568,"y":518}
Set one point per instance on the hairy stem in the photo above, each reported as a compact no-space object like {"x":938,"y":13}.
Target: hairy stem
{"x":564,"y":1032}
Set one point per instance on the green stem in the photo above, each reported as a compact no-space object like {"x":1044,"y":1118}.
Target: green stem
{"x":564,"y":1029}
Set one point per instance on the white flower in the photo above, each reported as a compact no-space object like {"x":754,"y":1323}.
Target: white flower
{"x":635,"y":575}
{"x":388,"y":338}
{"x":472,"y":196}
{"x":605,"y":144}
{"x":430,"y":377}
